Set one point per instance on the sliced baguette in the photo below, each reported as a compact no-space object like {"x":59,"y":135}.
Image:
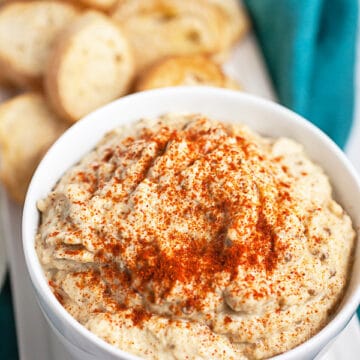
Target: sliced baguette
{"x":27,"y":33}
{"x":91,"y":65}
{"x":160,"y":28}
{"x":27,"y":128}
{"x":235,"y":21}
{"x":184,"y":70}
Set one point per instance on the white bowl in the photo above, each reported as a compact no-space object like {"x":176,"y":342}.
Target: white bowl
{"x":263,"y":116}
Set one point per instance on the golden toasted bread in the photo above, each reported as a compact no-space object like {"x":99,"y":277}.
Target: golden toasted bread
{"x":27,"y":128}
{"x":160,"y":28}
{"x":90,"y":65}
{"x":27,"y":33}
{"x":184,"y":70}
{"x":99,"y":4}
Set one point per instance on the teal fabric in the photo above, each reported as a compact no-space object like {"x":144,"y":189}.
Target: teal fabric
{"x":310,"y":50}
{"x":309,"y":47}
{"x":8,"y":346}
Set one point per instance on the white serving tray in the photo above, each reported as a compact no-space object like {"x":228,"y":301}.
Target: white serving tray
{"x":35,"y":338}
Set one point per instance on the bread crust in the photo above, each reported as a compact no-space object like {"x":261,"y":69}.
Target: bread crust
{"x":103,"y":5}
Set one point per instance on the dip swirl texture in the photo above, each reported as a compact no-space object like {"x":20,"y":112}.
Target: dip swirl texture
{"x":188,"y":238}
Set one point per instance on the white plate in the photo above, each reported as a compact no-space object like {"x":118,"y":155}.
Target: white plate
{"x":35,"y":339}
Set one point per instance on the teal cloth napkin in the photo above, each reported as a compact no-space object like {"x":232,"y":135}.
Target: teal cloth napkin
{"x":310,"y":50}
{"x":309,"y":47}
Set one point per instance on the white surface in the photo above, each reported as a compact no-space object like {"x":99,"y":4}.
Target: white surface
{"x":353,"y":145}
{"x":35,"y":339}
{"x":3,"y":257}
{"x":3,"y":262}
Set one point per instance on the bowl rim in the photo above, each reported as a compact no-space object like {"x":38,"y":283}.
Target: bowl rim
{"x":38,"y":279}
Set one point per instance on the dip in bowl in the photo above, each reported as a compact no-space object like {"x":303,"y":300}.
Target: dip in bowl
{"x":234,"y":322}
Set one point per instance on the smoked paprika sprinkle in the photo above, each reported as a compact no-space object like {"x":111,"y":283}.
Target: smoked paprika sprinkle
{"x":202,"y":188}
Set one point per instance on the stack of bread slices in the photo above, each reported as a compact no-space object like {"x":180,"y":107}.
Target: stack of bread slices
{"x":66,"y":58}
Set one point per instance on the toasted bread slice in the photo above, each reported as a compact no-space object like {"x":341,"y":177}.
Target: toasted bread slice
{"x":27,"y":128}
{"x":99,"y":4}
{"x":235,"y":21}
{"x":160,"y":28}
{"x":91,"y":65}
{"x":183,"y":70}
{"x":27,"y":33}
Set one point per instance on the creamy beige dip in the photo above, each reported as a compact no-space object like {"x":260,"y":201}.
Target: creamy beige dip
{"x":187,"y":238}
